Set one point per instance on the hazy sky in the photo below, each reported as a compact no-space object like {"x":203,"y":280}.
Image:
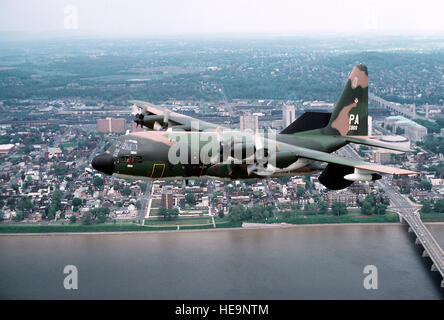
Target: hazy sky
{"x":208,"y":16}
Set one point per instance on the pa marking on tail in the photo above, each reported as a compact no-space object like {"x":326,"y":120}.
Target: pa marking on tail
{"x":353,"y":121}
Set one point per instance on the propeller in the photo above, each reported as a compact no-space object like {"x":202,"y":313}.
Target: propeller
{"x":138,"y":113}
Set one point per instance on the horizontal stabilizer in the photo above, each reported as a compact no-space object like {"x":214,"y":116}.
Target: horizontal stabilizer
{"x":369,"y":141}
{"x":308,"y":121}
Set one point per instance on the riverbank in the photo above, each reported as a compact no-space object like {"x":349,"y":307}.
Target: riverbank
{"x":246,"y":226}
{"x":224,"y":224}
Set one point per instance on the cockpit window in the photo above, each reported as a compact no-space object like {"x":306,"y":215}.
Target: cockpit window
{"x":129,"y":159}
{"x":129,"y":145}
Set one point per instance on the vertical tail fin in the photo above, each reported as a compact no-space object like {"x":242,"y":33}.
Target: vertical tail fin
{"x":350,"y":116}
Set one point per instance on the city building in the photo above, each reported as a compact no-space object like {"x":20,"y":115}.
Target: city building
{"x":397,"y":140}
{"x":349,"y":198}
{"x":370,"y":125}
{"x":249,"y":122}
{"x":288,"y":115}
{"x":117,"y":125}
{"x":277,"y":124}
{"x":6,"y":148}
{"x":382,"y":156}
{"x":412,"y":130}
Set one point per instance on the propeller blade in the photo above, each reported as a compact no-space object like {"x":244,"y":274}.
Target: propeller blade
{"x":134,"y":109}
{"x":251,"y":168}
{"x":157,"y":126}
{"x":166,"y":115}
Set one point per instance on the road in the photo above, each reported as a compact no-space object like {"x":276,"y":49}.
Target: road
{"x":410,"y":214}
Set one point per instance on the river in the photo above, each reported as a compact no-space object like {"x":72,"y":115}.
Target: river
{"x":303,"y":262}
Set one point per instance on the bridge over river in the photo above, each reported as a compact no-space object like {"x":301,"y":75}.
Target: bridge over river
{"x":409,"y":214}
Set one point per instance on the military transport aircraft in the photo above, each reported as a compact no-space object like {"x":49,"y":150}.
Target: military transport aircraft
{"x":175,"y":146}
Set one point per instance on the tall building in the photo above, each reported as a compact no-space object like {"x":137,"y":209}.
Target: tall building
{"x":111,"y":125}
{"x":249,"y":122}
{"x":370,"y":125}
{"x":288,"y":115}
{"x":167,"y":197}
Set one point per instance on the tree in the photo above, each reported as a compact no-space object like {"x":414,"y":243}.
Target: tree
{"x":96,"y":215}
{"x":190,"y":198}
{"x":98,"y":181}
{"x":76,"y":202}
{"x":126,"y":191}
{"x":339,"y":208}
{"x":268,"y":211}
{"x":142,"y":186}
{"x":439,"y":206}
{"x":19,"y":216}
{"x":236,"y":213}
{"x":87,"y":218}
{"x":221,"y":213}
{"x":366,"y":208}
{"x":300,"y":191}
{"x":28,"y":182}
{"x":163,"y":213}
{"x":380,"y":208}
{"x":173,"y":213}
{"x":323,"y":207}
{"x":73,"y":219}
{"x":311,"y":208}
{"x":426,"y":207}
{"x":168,"y":214}
{"x":138,"y":204}
{"x":426,"y":185}
{"x":25,"y":205}
{"x":257,"y":212}
{"x":369,"y":198}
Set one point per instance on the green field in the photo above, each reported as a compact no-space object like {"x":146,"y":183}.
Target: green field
{"x":348,"y":218}
{"x":432,"y":217}
{"x":353,"y":216}
{"x":183,"y":221}
{"x":202,"y":223}
{"x":156,"y":203}
{"x":50,"y":228}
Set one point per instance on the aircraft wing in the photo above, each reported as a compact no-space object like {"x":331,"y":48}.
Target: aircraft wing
{"x":358,"y":164}
{"x":174,"y":119}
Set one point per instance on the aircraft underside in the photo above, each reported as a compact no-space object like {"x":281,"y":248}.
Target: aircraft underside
{"x":303,"y":171}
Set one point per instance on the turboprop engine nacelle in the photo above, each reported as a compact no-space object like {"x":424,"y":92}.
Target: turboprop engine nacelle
{"x":362,"y":175}
{"x":270,"y":169}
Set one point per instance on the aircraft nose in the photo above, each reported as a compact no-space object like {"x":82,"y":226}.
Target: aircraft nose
{"x":104,"y":163}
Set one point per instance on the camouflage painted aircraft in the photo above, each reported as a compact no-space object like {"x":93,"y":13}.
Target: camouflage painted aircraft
{"x":175,"y":146}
